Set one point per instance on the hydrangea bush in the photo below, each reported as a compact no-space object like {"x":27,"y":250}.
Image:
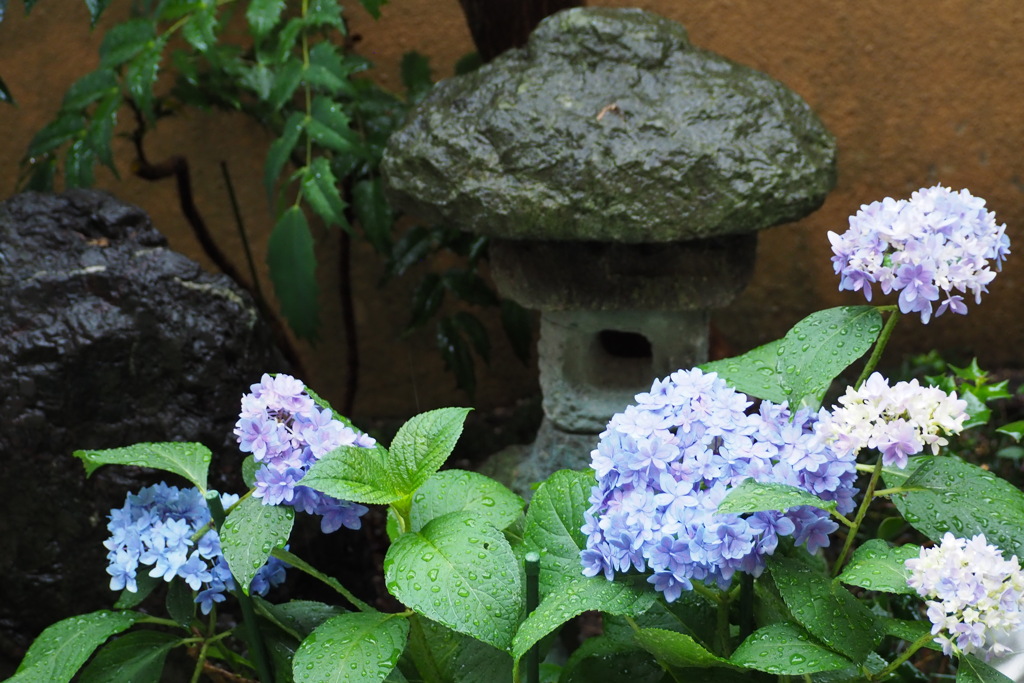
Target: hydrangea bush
{"x":734,"y":526}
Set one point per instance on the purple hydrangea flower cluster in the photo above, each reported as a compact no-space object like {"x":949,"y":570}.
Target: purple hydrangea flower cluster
{"x":664,"y":465}
{"x":899,"y":421}
{"x":157,"y":528}
{"x":287,"y":432}
{"x":974,"y":596}
{"x":939,"y":242}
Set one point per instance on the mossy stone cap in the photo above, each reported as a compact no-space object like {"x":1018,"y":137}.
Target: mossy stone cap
{"x":609,"y":125}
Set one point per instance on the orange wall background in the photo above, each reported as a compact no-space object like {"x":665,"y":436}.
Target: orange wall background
{"x":917,"y":93}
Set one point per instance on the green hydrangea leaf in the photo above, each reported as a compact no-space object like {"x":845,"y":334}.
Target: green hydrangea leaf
{"x":188,"y":460}
{"x":352,"y":648}
{"x":137,"y":657}
{"x":879,"y":567}
{"x":460,"y":572}
{"x":292,"y":262}
{"x":250,"y":534}
{"x":457,"y":491}
{"x":62,"y":648}
{"x":786,"y":650}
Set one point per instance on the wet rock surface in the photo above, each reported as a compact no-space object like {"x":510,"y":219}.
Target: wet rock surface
{"x":107,"y":338}
{"x":609,"y":125}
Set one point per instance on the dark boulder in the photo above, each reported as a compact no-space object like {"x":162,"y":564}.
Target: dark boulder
{"x":107,"y":338}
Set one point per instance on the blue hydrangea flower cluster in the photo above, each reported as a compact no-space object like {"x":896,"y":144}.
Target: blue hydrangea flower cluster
{"x":157,"y":528}
{"x":664,"y":465}
{"x":975,"y":597}
{"x":937,"y":243}
{"x":287,"y":432}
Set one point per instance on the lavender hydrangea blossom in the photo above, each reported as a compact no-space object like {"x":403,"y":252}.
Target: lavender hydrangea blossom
{"x":937,"y":243}
{"x":974,"y":595}
{"x":156,"y":528}
{"x":286,"y":431}
{"x":899,"y":421}
{"x":665,"y":464}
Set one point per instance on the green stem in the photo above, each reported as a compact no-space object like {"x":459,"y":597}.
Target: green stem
{"x":303,"y":566}
{"x":257,"y":650}
{"x":723,"y":645}
{"x":532,"y":600}
{"x":893,"y":491}
{"x":876,"y":354}
{"x":419,"y":650}
{"x":907,"y":654}
{"x":851,"y":535}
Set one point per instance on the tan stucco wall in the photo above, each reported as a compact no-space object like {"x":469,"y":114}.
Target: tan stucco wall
{"x":916,"y":92}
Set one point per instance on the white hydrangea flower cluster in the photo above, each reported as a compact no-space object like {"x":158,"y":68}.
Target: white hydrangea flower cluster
{"x":899,"y":421}
{"x":974,"y":596}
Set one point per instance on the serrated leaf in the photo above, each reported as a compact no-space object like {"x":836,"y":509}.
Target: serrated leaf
{"x":57,"y":132}
{"x":88,"y":89}
{"x":250,"y":534}
{"x":970,"y":669}
{"x":753,"y":373}
{"x":62,"y":648}
{"x":78,"y":165}
{"x":879,"y":567}
{"x":422,"y":445}
{"x":96,"y":8}
{"x":461,"y":658}
{"x":357,"y":474}
{"x":292,"y":263}
{"x":352,"y":648}
{"x":756,"y":496}
{"x":329,"y":126}
{"x":373,"y":213}
{"x":952,"y":495}
{"x":677,"y":649}
{"x":100,"y":134}
{"x":826,"y":609}
{"x":286,"y":80}
{"x":281,"y":149}
{"x":821,"y":346}
{"x":201,"y":29}
{"x":124,"y":41}
{"x":263,"y":16}
{"x":461,"y":491}
{"x":137,"y":657}
{"x":321,"y":13}
{"x":320,"y":190}
{"x":460,"y":572}
{"x":576,"y":595}
{"x":786,"y":650}
{"x":553,"y":526}
{"x":596,"y":659}
{"x":141,"y":72}
{"x":188,"y":460}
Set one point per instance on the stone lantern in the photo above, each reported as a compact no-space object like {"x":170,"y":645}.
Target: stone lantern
{"x":622,"y":175}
